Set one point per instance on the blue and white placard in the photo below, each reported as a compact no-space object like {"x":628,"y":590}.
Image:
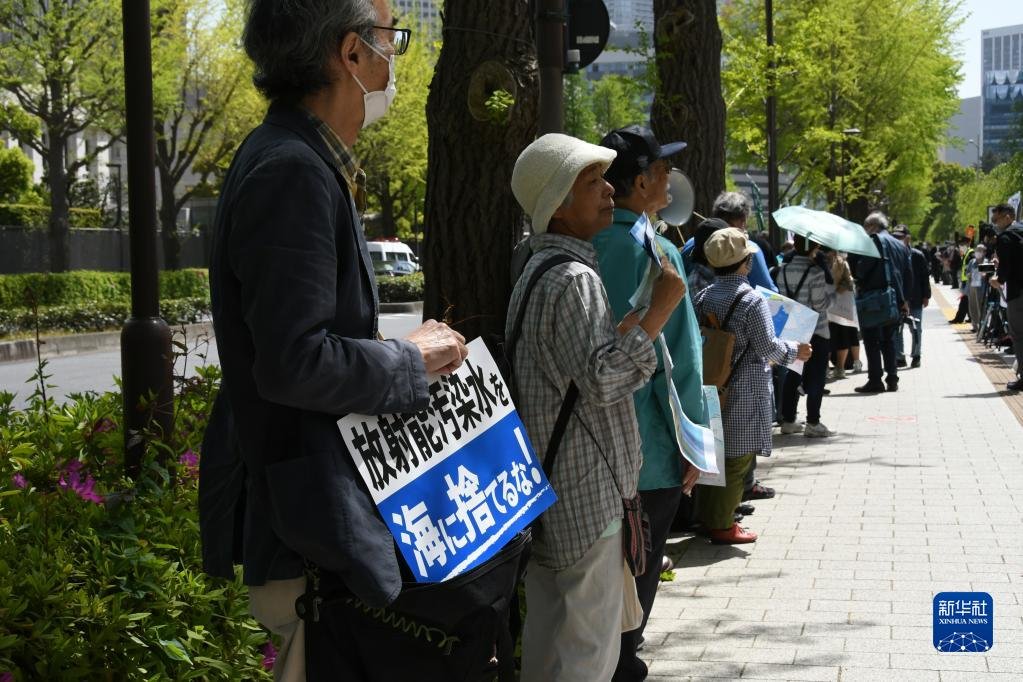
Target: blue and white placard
{"x":457,"y":481}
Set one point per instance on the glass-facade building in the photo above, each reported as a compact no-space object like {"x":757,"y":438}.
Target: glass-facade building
{"x":1001,"y":88}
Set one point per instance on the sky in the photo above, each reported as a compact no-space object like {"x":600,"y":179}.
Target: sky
{"x":981,"y":15}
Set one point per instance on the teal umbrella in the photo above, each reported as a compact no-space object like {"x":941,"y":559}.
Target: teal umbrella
{"x":827,"y":229}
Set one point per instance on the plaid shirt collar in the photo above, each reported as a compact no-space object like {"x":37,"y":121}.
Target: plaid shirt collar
{"x":344,"y":160}
{"x":582,"y":250}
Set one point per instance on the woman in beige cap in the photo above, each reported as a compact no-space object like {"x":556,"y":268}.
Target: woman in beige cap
{"x":749,"y":412}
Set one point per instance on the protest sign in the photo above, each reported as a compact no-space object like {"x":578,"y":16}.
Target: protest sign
{"x":455,"y":482}
{"x":793,"y":321}
{"x":717,"y":427}
{"x":695,"y":442}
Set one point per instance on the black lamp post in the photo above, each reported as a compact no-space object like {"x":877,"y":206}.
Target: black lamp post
{"x":550,"y":50}
{"x":846,"y":134}
{"x":147,"y":363}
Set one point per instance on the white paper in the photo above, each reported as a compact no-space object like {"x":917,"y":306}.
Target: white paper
{"x":695,"y":442}
{"x":800,"y":321}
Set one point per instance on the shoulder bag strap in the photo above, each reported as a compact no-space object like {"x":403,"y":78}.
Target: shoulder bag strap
{"x":560,"y":426}
{"x":541,"y":270}
{"x":731,"y":370}
{"x":572,"y":394}
{"x":799,"y":287}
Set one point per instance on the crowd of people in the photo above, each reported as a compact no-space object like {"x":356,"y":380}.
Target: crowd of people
{"x":987,"y":276}
{"x":295,"y":312}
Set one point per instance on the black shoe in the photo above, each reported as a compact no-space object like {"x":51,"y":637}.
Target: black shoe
{"x":1015,"y":385}
{"x":901,"y":362}
{"x":739,"y":517}
{"x":893,"y":386}
{"x":915,"y":363}
{"x":870,"y":387}
{"x":827,"y":391}
{"x":745,"y":509}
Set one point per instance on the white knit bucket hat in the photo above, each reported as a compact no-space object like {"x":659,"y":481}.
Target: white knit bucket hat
{"x":546,"y":170}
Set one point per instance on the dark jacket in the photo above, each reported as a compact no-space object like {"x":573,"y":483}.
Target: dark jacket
{"x":295,"y":313}
{"x":920,"y":283}
{"x":1009,"y":249}
{"x":870,"y":272}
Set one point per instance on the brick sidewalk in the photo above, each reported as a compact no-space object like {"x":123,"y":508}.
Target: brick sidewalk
{"x":835,"y":589}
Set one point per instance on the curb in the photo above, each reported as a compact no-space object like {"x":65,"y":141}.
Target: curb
{"x":75,"y":344}
{"x":409,"y":307}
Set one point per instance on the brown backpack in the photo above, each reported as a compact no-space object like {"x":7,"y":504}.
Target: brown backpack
{"x":718,"y":347}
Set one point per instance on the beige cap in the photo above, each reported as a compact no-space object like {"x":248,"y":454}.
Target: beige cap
{"x":727,"y":247}
{"x":546,"y":170}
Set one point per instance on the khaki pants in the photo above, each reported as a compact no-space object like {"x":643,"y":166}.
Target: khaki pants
{"x":718,"y":503}
{"x":273,"y":605}
{"x":575,"y":617}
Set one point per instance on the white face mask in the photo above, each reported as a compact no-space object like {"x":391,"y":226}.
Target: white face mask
{"x":377,"y":103}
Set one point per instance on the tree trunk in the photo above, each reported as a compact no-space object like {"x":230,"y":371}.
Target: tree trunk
{"x":169,"y":224}
{"x":472,"y":220}
{"x":60,"y":235}
{"x":689,"y":105}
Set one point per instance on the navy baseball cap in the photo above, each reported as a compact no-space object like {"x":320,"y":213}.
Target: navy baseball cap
{"x":637,"y":149}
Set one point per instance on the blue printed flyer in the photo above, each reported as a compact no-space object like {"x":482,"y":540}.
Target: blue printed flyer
{"x":457,"y":481}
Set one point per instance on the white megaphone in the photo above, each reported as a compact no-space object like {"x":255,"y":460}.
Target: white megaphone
{"x":681,"y":198}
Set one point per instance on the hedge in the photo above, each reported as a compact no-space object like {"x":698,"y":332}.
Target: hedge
{"x":94,"y":317}
{"x":101,"y":575}
{"x":34,"y":215}
{"x":402,"y":289}
{"x":82,"y":287}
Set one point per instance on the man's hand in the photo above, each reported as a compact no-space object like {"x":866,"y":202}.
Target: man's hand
{"x":689,"y":479}
{"x":668,"y":290}
{"x":926,"y":302}
{"x":443,"y":348}
{"x":669,"y":287}
{"x":804,"y":352}
{"x":904,"y":308}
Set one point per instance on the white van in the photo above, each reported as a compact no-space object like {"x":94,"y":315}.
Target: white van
{"x":394,"y":254}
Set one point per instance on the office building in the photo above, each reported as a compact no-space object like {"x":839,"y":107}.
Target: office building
{"x":1001,"y":88}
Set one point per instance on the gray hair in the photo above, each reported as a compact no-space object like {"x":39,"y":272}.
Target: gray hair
{"x":289,"y":41}
{"x":876,"y":219}
{"x":731,"y":207}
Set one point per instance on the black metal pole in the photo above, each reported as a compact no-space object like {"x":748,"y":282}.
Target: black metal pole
{"x":772,"y":133}
{"x":147,"y":364}
{"x":841,"y":182}
{"x":550,"y":52}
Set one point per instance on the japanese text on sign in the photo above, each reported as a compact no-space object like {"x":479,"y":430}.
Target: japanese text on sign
{"x":456,"y":481}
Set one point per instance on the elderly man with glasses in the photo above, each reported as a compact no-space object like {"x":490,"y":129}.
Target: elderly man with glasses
{"x":295,"y":310}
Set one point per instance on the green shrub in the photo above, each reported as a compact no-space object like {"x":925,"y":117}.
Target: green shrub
{"x":402,"y":289}
{"x":38,"y":215}
{"x":100,"y":575}
{"x":89,"y":286}
{"x":94,"y":317}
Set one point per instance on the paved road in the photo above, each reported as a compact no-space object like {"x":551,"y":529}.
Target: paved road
{"x":921,"y":492}
{"x":96,"y":371}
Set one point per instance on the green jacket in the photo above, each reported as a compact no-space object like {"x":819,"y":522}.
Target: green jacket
{"x":622,"y":266}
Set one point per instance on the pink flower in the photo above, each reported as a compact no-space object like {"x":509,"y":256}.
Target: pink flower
{"x":80,"y":482}
{"x":189,"y":464}
{"x":269,"y":656}
{"x":6,"y":677}
{"x":19,"y":482}
{"x":103,"y":425}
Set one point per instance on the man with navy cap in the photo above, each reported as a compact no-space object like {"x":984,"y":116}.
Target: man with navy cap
{"x":639,"y":175}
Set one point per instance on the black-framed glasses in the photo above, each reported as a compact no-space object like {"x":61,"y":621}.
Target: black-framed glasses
{"x":400,"y":41}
